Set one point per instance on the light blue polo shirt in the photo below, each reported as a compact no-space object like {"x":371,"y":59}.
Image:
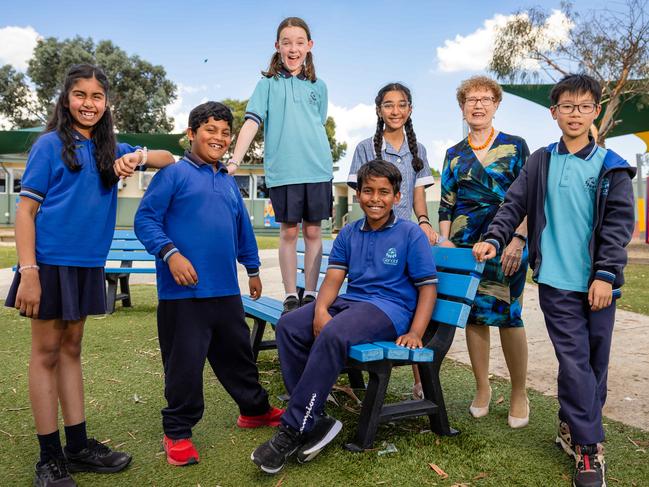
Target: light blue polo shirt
{"x":402,"y":158}
{"x":76,"y":219}
{"x":385,"y":266}
{"x":569,"y":213}
{"x":293,"y":111}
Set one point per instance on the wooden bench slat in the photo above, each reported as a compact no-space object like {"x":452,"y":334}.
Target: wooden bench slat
{"x":126,"y":245}
{"x":134,"y":256}
{"x":366,"y":352}
{"x":393,"y":351}
{"x":124,"y":235}
{"x":327,"y":245}
{"x":458,"y":259}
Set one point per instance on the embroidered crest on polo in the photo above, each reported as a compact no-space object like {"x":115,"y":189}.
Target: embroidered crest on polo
{"x":590,"y":184}
{"x":391,"y":257}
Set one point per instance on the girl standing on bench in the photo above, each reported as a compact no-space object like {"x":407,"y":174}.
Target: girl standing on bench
{"x":64,"y":225}
{"x":395,"y":142}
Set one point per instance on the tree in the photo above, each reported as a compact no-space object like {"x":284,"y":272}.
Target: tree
{"x":139,"y":93}
{"x":255,"y":154}
{"x":610,"y":45}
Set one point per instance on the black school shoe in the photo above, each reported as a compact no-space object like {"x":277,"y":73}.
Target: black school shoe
{"x":308,"y":298}
{"x":271,"y":456}
{"x":590,"y":467}
{"x":291,"y":303}
{"x":98,"y":458}
{"x":53,"y":473}
{"x":324,"y":431}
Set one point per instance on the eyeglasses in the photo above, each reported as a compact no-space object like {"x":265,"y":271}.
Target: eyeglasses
{"x":486,"y":101}
{"x":402,"y":105}
{"x":583,"y":108}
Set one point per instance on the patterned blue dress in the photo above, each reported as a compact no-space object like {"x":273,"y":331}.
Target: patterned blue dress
{"x":472,"y":192}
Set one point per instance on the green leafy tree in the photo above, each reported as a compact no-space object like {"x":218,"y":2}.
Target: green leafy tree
{"x":255,"y":154}
{"x":140,"y":91}
{"x":610,"y":45}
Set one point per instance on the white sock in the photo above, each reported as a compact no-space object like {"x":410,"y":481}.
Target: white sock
{"x":310,"y":293}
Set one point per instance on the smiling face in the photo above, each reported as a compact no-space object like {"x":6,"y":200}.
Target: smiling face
{"x":576,"y":125}
{"x":87,"y":104}
{"x":394,"y":109}
{"x":293,"y":45}
{"x":211,"y":140}
{"x":476,"y":113}
{"x":376,"y":197}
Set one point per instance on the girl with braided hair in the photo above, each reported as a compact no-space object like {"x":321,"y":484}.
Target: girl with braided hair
{"x":395,"y":141}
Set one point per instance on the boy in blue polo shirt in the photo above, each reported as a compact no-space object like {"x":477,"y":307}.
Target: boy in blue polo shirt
{"x":578,"y":200}
{"x":391,"y":282}
{"x":193,"y":219}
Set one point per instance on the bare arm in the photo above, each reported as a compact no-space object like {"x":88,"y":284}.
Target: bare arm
{"x":326,"y":296}
{"x":28,"y":296}
{"x":423,"y":312}
{"x":419,"y":205}
{"x":513,"y":253}
{"x":125,"y":166}
{"x":244,"y":139}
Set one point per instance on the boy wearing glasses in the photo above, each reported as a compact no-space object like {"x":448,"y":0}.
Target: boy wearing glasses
{"x":578,"y":200}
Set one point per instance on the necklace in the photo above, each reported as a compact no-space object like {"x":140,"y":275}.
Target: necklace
{"x":483,"y":146}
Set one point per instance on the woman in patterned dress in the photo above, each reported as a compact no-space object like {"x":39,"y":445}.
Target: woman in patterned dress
{"x":476,"y":175}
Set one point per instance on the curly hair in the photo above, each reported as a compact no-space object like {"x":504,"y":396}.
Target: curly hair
{"x":477,"y":83}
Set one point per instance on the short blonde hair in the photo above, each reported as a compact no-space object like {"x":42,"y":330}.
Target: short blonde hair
{"x":476,"y":83}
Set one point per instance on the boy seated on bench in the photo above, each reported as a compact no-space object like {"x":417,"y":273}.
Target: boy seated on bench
{"x":388,"y":263}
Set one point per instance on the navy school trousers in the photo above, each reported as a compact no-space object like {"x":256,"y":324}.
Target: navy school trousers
{"x":310,"y":366}
{"x":195,"y":329}
{"x":582,"y":344}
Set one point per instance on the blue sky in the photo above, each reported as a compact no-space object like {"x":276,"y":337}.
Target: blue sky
{"x":359,"y":46}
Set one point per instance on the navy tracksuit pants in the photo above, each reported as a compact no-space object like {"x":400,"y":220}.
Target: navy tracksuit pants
{"x":310,"y":366}
{"x":582,"y":343}
{"x":192,"y":330}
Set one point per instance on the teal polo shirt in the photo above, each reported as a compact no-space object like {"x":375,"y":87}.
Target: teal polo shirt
{"x":569,"y":212}
{"x":293,"y":111}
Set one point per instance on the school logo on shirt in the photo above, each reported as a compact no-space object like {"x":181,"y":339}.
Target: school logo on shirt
{"x":590,"y":184}
{"x":391,"y":257}
{"x":313,"y":98}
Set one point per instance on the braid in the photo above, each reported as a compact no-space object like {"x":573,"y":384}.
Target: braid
{"x":378,"y":138}
{"x":309,"y":68}
{"x":417,"y":163}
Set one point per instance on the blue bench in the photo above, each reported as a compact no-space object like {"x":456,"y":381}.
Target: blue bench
{"x":459,"y":276}
{"x":128,"y":251}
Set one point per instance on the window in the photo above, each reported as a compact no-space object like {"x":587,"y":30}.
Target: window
{"x":3,"y":182}
{"x":243,"y":183}
{"x":145,"y":179}
{"x":262,"y":190}
{"x":16,"y":180}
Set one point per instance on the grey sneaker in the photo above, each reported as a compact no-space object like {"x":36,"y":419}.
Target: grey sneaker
{"x":590,"y":468}
{"x":324,"y":431}
{"x":271,"y":456}
{"x":564,"y":439}
{"x":53,"y":473}
{"x":291,"y":303}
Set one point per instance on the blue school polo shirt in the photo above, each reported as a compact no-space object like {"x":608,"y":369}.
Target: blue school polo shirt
{"x":196,"y":209}
{"x":76,"y":218}
{"x":569,"y":213}
{"x":293,"y":111}
{"x":385,"y":266}
{"x":402,"y":158}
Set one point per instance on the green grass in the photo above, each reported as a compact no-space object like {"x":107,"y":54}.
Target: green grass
{"x":267,"y":241}
{"x":8,"y":257}
{"x":121,"y":359}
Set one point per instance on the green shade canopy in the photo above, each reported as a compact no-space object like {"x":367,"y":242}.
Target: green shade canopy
{"x":634,"y":116}
{"x":19,"y":141}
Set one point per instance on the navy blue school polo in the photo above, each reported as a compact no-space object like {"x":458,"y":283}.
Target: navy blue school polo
{"x":385,"y":266}
{"x":197,"y":210}
{"x":76,"y":218}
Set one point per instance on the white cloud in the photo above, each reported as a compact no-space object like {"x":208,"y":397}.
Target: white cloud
{"x":473,"y":51}
{"x":436,"y":151}
{"x":352,"y":125}
{"x":190,"y":89}
{"x":17,"y":45}
{"x":179,"y":113}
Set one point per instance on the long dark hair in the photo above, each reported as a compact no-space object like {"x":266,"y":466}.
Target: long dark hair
{"x":103,"y":134}
{"x":417,"y":163}
{"x":276,"y":65}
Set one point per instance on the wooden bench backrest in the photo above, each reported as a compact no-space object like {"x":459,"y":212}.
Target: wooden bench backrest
{"x":458,"y":272}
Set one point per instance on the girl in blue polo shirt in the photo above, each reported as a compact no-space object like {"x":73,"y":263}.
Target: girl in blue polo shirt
{"x":292,"y":105}
{"x":64,"y":225}
{"x":395,"y":142}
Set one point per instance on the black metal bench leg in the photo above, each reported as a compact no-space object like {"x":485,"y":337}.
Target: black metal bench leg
{"x":356,"y":380}
{"x":432,"y":389}
{"x":125,"y":290}
{"x":111,"y":293}
{"x":368,"y":422}
{"x":256,"y":336}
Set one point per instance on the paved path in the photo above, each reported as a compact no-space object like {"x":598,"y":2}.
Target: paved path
{"x":628,"y":381}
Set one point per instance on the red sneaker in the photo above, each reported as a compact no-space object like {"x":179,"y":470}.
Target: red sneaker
{"x":180,"y":452}
{"x":270,"y":418}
